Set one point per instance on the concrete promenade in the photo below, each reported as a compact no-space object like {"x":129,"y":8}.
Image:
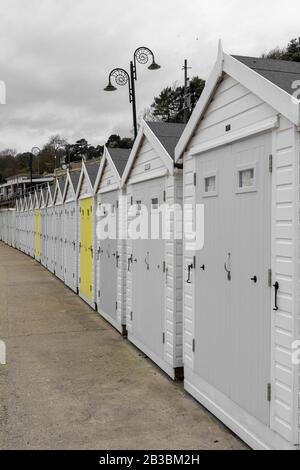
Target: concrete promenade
{"x":72,"y":382}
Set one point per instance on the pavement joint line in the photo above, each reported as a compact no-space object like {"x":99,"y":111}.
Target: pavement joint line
{"x":55,"y":333}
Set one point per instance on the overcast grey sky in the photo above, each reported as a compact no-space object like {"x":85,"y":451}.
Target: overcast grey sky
{"x":55,"y":56}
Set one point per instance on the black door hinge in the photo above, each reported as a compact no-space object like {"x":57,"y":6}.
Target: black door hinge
{"x":164,"y":338}
{"x":116,"y":305}
{"x":193,"y":346}
{"x":270,"y":163}
{"x":195,"y":179}
{"x":131,"y":316}
{"x":270,"y":277}
{"x":269,"y":392}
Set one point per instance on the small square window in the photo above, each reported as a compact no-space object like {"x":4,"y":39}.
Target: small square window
{"x":210,"y":184}
{"x":246,"y":178}
{"x":154,"y":203}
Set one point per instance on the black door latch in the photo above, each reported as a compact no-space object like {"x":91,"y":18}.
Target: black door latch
{"x":276,"y":287}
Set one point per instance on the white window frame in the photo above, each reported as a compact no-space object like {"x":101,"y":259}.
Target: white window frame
{"x":246,"y":189}
{"x":211,"y":174}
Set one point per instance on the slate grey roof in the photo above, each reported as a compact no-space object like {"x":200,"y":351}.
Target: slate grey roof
{"x":280,"y":72}
{"x":75,"y":175}
{"x":120,"y":158}
{"x":92,"y":170}
{"x":168,"y":133}
{"x":44,"y":190}
{"x":61,"y":183}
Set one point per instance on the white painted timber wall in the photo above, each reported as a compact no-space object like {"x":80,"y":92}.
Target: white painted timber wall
{"x":285,"y":253}
{"x":173,"y":256}
{"x":235,"y":105}
{"x":173,"y":253}
{"x":232,"y":104}
{"x":146,"y":156}
{"x":108,"y":177}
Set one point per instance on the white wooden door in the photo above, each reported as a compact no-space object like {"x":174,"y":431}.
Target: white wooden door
{"x":148,"y":294}
{"x":70,"y":245}
{"x":107,"y":261}
{"x":59,"y":242}
{"x":233,"y":296}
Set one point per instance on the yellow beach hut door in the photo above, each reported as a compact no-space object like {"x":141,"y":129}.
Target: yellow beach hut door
{"x":86,"y":252}
{"x":36,"y":233}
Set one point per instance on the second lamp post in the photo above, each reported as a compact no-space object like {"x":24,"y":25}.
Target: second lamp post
{"x":122,"y":77}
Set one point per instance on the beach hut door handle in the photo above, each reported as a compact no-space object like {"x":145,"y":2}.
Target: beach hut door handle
{"x":130,"y":260}
{"x":190,"y":267}
{"x":147,"y":261}
{"x":227,"y":267}
{"x":276,"y":287}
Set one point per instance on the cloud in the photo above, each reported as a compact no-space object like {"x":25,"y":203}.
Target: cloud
{"x":55,"y":57}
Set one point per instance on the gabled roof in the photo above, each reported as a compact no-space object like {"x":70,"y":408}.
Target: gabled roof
{"x":117,"y":159}
{"x":51,"y":191}
{"x":74,"y":176}
{"x":20,"y":203}
{"x":61,"y":180}
{"x":30,"y":199}
{"x":36,"y":199}
{"x":72,"y":181}
{"x":45,"y":194}
{"x":90,"y":172}
{"x":42,"y":197}
{"x":59,"y":188}
{"x":168,"y":134}
{"x":280,"y":72}
{"x":163,"y":136}
{"x":267,"y":79}
{"x":25,"y":203}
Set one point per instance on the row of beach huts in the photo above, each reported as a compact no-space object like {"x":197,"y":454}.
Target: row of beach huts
{"x":223,"y":314}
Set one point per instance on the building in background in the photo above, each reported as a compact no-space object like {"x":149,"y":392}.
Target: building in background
{"x":19,"y":184}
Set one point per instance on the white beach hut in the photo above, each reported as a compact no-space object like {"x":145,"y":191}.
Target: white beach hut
{"x":71,"y":230}
{"x":86,"y":232}
{"x":240,"y":152}
{"x":154,"y":265}
{"x":111,"y":250}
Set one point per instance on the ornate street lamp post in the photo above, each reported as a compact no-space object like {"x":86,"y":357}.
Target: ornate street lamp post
{"x":122,"y":77}
{"x":35,"y":151}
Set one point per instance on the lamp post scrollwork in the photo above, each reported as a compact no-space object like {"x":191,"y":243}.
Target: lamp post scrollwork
{"x":121,"y":77}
